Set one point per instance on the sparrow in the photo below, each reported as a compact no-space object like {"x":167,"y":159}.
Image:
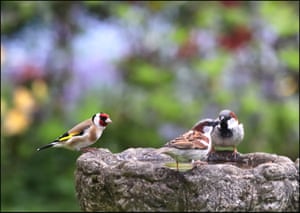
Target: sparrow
{"x":194,"y":144}
{"x":229,"y":132}
{"x":83,"y":134}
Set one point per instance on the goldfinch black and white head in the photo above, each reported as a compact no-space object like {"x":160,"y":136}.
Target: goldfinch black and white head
{"x":83,"y":134}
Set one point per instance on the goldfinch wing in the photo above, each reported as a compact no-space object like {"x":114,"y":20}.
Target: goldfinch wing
{"x":76,"y":130}
{"x":66,"y":136}
{"x":81,"y":126}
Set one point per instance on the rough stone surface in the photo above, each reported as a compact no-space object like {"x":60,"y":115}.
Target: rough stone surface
{"x":138,"y":179}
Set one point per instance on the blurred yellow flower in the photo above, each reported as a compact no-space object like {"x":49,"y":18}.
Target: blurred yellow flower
{"x":2,"y":55}
{"x":40,"y":89}
{"x":287,"y":86}
{"x":3,"y":107}
{"x":15,"y":122}
{"x":24,"y":100}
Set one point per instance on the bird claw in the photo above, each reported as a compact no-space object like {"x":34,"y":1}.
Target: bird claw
{"x":234,"y":154}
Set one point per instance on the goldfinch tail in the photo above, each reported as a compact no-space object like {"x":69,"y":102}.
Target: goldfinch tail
{"x":46,"y":146}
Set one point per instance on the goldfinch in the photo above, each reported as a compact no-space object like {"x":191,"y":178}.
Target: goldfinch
{"x":83,"y":134}
{"x":229,"y":132}
{"x":192,"y":145}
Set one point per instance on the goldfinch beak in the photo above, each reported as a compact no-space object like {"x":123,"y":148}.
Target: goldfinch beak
{"x":108,"y":120}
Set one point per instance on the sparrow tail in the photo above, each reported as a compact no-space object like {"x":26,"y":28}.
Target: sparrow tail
{"x":45,"y":147}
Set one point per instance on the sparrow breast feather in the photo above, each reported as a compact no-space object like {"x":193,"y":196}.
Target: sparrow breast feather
{"x":229,"y":132}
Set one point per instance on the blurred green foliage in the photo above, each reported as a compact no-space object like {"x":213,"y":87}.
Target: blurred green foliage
{"x":187,"y":60}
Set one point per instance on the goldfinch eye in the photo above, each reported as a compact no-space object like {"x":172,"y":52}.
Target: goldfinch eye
{"x":103,"y":117}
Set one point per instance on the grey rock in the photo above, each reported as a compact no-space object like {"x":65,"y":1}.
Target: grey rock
{"x":138,"y":179}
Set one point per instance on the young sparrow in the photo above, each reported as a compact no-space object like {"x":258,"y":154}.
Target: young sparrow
{"x":83,"y":134}
{"x":192,"y":145}
{"x":229,"y":132}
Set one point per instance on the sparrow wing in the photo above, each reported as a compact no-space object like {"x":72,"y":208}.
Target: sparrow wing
{"x":180,"y":143}
{"x":200,"y":144}
{"x":199,"y":140}
{"x":77,"y":130}
{"x":189,"y":140}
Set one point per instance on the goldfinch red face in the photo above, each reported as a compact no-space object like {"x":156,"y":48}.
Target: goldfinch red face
{"x":101,"y":119}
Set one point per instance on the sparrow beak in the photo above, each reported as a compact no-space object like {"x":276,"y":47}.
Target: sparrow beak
{"x":108,"y":120}
{"x":215,"y":123}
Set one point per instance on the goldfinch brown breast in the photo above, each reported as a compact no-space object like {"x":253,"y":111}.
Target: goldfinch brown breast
{"x":83,"y":134}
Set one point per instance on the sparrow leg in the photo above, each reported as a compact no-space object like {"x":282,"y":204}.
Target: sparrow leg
{"x":212,"y":150}
{"x":234,"y":152}
{"x":211,"y":153}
